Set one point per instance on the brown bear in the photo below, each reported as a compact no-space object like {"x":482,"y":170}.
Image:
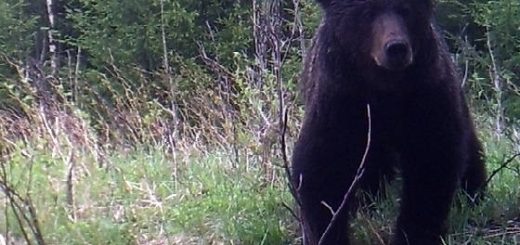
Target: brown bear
{"x":386,"y":54}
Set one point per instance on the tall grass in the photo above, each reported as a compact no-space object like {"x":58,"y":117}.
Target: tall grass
{"x":138,"y":171}
{"x":137,"y":199}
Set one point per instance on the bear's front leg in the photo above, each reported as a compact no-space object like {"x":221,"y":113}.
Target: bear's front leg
{"x":433,"y":154}
{"x":321,"y":178}
{"x":325,"y":160}
{"x":428,"y":189}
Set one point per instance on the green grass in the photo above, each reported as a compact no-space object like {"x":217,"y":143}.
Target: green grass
{"x":137,"y":199}
{"x":144,"y":196}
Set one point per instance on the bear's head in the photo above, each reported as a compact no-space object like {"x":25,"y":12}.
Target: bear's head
{"x":385,"y":34}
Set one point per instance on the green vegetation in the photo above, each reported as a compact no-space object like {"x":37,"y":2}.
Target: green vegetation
{"x":159,"y":122}
{"x":137,"y":198}
{"x":145,"y":196}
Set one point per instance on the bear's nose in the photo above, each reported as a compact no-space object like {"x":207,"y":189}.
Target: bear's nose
{"x":398,"y":54}
{"x":397,"y":50}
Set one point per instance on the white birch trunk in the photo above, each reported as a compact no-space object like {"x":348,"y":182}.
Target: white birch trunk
{"x":52,"y":42}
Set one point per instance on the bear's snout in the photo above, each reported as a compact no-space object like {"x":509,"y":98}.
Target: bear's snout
{"x":391,"y":47}
{"x":398,"y":54}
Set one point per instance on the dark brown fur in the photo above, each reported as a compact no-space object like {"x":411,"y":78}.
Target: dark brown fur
{"x":420,"y":122}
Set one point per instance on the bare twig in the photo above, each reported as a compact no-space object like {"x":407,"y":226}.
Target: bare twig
{"x":285,"y":159}
{"x":75,"y":86}
{"x":297,"y":26}
{"x":173,"y":135}
{"x":359,"y":174}
{"x":22,"y":208}
{"x":330,"y":208}
{"x":275,"y":42}
{"x":466,"y":63}
{"x":502,"y":166}
{"x":214,"y":66}
{"x":270,"y":34}
{"x":70,"y":184}
{"x":497,"y":85}
{"x":291,"y":210}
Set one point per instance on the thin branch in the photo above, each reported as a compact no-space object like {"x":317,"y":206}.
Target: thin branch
{"x":330,"y":208}
{"x":213,"y":65}
{"x":296,"y":26}
{"x":357,"y":178}
{"x":70,"y":185}
{"x":497,"y":84}
{"x":21,"y":207}
{"x":274,"y":41}
{"x":466,"y":63}
{"x":502,"y":166}
{"x":75,"y":86}
{"x":285,"y":159}
{"x":15,"y":206}
{"x":291,"y":211}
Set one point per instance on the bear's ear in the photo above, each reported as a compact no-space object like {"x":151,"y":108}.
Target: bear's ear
{"x":324,"y":3}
